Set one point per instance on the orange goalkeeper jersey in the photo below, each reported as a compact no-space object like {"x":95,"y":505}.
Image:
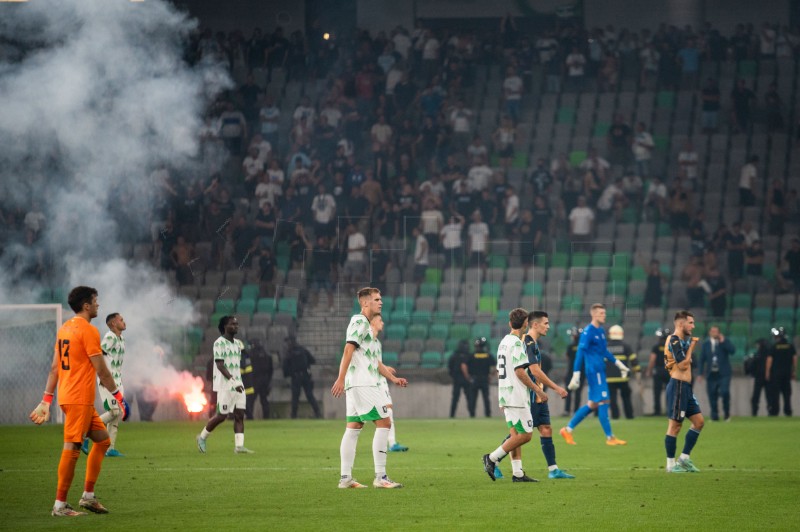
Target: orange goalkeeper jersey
{"x":77,"y":340}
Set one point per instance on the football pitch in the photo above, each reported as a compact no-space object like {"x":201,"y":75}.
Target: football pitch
{"x":750,"y":479}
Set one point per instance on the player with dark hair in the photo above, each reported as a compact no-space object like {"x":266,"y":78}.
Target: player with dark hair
{"x":77,"y":361}
{"x":681,"y":402}
{"x":227,"y":382}
{"x":358,"y":379}
{"x":593,"y":351}
{"x":113,"y":345}
{"x":514,"y":387}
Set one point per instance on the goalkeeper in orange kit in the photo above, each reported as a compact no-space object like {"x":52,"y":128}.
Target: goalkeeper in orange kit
{"x":77,"y":362}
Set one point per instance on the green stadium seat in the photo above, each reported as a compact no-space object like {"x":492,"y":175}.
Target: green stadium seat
{"x":576,"y":157}
{"x":784,"y":316}
{"x":600,"y":260}
{"x":388,"y":303}
{"x":357,"y":307}
{"x":283,"y":263}
{"x":396,"y":331}
{"x":487,"y":304}
{"x":429,"y":290}
{"x":288,"y":305}
{"x":565,"y":115}
{"x":580,"y":260}
{"x":433,"y":275}
{"x":498,"y":261}
{"x":418,"y":331}
{"x":224,"y":305}
{"x":769,"y":272}
{"x":459,"y":331}
{"x":404,"y":304}
{"x":747,"y":68}
{"x":213,"y":321}
{"x":250,"y":291}
{"x":443,"y":316}
{"x":421,"y":316}
{"x":661,"y":142}
{"x":663,"y":229}
{"x":431,"y":360}
{"x":638,"y":273}
{"x":490,"y":288}
{"x":601,"y":129}
{"x":572,"y":303}
{"x":700,"y":329}
{"x":519,"y":161}
{"x":451,"y":344}
{"x":742,"y":301}
{"x":266,"y":305}
{"x":246,"y":307}
{"x":762,"y":314}
{"x":439,"y":330}
{"x":761,"y":329}
{"x":739,"y":328}
{"x":481,"y":330}
{"x":390,"y":358}
{"x":532,"y":289}
{"x":740,"y":342}
{"x":665,"y":99}
{"x":399,"y":316}
{"x":559,"y":260}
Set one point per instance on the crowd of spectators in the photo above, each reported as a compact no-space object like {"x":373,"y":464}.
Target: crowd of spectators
{"x":381,"y":151}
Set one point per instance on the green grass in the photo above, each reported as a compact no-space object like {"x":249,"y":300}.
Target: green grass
{"x":750,"y":479}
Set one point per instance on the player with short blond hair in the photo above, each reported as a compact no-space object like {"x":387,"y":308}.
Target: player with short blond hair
{"x":359,"y":372}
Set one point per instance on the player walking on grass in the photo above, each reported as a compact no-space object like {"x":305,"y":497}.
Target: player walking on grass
{"x":538,"y":326}
{"x":681,"y":402}
{"x":77,"y":361}
{"x":377,"y":328}
{"x":113,"y":345}
{"x":514,"y":387}
{"x":358,"y":377}
{"x":593,"y":351}
{"x":227,"y":382}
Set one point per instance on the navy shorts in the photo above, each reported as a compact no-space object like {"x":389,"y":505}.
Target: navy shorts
{"x":681,"y":402}
{"x":540,"y":412}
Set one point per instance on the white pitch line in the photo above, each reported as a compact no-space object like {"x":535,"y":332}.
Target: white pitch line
{"x":221,"y":469}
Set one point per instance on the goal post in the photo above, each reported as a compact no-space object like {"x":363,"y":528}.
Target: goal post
{"x":27,"y":336}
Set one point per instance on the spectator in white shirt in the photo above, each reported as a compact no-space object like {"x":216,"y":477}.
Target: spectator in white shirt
{"x":477,"y":151}
{"x":511,"y":206}
{"x":642,"y":148}
{"x":355,"y":261}
{"x":460,"y":121}
{"x":581,"y":222}
{"x":252,"y":165}
{"x":612,"y":199}
{"x":263,"y":146}
{"x":431,"y":221}
{"x":576,"y":64}
{"x":656,"y":197}
{"x":452,"y":242}
{"x":687,"y":162}
{"x":323,"y":208}
{"x":479,"y":176}
{"x":596,"y":163}
{"x":512,"y":93}
{"x":747,"y":178}
{"x":478,"y":233}
{"x":421,"y":253}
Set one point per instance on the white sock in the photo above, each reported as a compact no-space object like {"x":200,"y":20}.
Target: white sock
{"x":552,"y":467}
{"x":88,"y":495}
{"x":670,"y":463}
{"x":379,"y":450}
{"x":347,"y":451}
{"x":238,"y":439}
{"x":59,"y":504}
{"x":392,"y":440}
{"x":684,"y":456}
{"x":516,"y":468}
{"x":107,"y":416}
{"x":569,"y":429}
{"x":204,"y":433}
{"x":113,"y":428}
{"x":498,"y":454}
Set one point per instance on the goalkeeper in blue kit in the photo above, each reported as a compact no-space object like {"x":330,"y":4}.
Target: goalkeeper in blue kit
{"x":593,"y":352}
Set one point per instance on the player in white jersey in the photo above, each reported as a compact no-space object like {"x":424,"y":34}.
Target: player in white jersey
{"x":377,"y":329}
{"x":365,"y":401}
{"x":227,"y":382}
{"x":113,"y":345}
{"x":514,"y":387}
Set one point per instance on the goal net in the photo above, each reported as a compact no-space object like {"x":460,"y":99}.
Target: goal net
{"x":27,"y":336}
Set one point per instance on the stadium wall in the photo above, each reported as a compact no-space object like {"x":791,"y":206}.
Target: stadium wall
{"x":246,"y":15}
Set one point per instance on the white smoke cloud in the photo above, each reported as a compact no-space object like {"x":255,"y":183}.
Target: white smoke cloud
{"x":95,"y":96}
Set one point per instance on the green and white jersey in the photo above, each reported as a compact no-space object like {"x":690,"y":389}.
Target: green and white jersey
{"x":363,"y":370}
{"x":382,"y":383}
{"x":231,"y":355}
{"x":114,"y":352}
{"x":511,"y":355}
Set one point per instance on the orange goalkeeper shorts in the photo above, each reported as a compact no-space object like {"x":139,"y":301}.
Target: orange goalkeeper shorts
{"x":80,"y":420}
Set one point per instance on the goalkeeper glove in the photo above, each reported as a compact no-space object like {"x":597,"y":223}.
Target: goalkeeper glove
{"x":123,"y":404}
{"x":623,"y":369}
{"x":41,"y":413}
{"x":575,"y":383}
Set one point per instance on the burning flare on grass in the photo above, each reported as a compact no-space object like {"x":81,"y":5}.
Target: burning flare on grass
{"x":194,"y":398}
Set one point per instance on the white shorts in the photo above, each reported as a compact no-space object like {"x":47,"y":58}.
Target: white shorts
{"x":519,"y":418}
{"x":228,"y":400}
{"x":385,"y":389}
{"x":365,"y":403}
{"x":109,"y":403}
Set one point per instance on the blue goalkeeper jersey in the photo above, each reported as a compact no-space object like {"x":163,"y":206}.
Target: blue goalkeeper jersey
{"x":593,"y":351}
